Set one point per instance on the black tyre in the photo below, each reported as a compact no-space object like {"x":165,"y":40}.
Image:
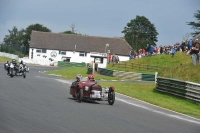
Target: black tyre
{"x":79,"y":95}
{"x":111,"y":97}
{"x":11,"y":73}
{"x":24,"y":74}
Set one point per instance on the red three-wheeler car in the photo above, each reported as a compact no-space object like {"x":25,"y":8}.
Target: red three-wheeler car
{"x":89,"y":89}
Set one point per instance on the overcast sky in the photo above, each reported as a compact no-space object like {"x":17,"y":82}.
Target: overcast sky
{"x":105,"y":18}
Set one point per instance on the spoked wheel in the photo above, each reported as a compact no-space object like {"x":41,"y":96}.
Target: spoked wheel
{"x":79,"y":95}
{"x":24,"y":74}
{"x":111,"y":97}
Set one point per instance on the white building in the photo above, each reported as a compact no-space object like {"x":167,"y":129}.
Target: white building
{"x":47,"y":46}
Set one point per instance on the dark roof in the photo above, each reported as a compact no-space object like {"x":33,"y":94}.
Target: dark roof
{"x":67,"y":42}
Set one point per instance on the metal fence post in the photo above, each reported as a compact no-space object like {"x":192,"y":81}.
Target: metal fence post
{"x":156,"y":75}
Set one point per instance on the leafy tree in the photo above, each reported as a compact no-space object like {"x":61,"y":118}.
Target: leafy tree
{"x":15,"y":37}
{"x":70,"y":32}
{"x":67,"y":32}
{"x":28,"y":30}
{"x":195,"y":25}
{"x":140,"y":33}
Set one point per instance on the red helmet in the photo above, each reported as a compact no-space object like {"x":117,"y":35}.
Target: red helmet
{"x":90,"y":76}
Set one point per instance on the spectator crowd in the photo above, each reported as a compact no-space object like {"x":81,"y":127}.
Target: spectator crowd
{"x":191,"y":47}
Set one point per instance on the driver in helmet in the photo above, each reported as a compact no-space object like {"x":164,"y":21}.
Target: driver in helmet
{"x":91,"y":77}
{"x":78,"y":77}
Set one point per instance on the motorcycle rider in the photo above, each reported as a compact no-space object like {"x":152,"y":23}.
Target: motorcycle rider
{"x":6,"y":67}
{"x":15,"y":65}
{"x":21,"y":63}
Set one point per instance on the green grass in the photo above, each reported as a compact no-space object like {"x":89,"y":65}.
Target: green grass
{"x":4,"y":59}
{"x":71,"y":72}
{"x":179,"y":67}
{"x":147,"y":92}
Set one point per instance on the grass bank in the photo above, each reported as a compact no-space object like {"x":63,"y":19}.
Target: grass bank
{"x":179,"y":67}
{"x":147,"y":93}
{"x":4,"y":59}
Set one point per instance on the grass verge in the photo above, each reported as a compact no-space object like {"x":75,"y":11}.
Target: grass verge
{"x":147,"y":93}
{"x":4,"y":59}
{"x":71,"y":72}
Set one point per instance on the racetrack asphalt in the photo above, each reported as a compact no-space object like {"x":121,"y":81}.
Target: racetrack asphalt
{"x":42,"y":104}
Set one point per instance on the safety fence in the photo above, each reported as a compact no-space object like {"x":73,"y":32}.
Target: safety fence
{"x":71,"y":64}
{"x":184,"y":89}
{"x":127,"y":75}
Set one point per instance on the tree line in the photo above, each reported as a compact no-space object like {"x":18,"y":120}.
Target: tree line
{"x":139,"y":33}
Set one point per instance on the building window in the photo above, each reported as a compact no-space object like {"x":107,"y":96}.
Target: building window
{"x":98,"y":60}
{"x":38,"y":50}
{"x":44,"y":50}
{"x":62,"y":52}
{"x":82,"y":54}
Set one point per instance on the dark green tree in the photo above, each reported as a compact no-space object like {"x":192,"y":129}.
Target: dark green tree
{"x":28,"y":31}
{"x":67,"y":32}
{"x":15,"y":37}
{"x":195,"y":25}
{"x":70,"y":32}
{"x":140,"y":33}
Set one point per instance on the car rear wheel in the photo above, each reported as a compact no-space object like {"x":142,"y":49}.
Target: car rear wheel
{"x":111,"y":97}
{"x":79,"y":95}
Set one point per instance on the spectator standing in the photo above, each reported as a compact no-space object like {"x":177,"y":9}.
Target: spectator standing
{"x":152,"y":50}
{"x":195,"y":42}
{"x":131,"y":54}
{"x":161,"y":50}
{"x":183,"y":46}
{"x":195,"y":54}
{"x":190,"y":44}
{"x":143,"y":52}
{"x":109,"y":58}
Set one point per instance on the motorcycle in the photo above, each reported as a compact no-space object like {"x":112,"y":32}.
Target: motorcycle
{"x":21,"y":70}
{"x":27,"y":68}
{"x":12,"y":70}
{"x":6,"y":65}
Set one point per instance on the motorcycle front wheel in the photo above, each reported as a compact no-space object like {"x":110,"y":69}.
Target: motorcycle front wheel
{"x":24,"y":74}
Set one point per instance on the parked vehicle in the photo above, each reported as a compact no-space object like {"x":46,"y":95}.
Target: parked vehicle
{"x":89,"y":89}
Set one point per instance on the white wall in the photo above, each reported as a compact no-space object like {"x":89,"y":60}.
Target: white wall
{"x":74,"y":57}
{"x":123,"y":58}
{"x":12,"y":56}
